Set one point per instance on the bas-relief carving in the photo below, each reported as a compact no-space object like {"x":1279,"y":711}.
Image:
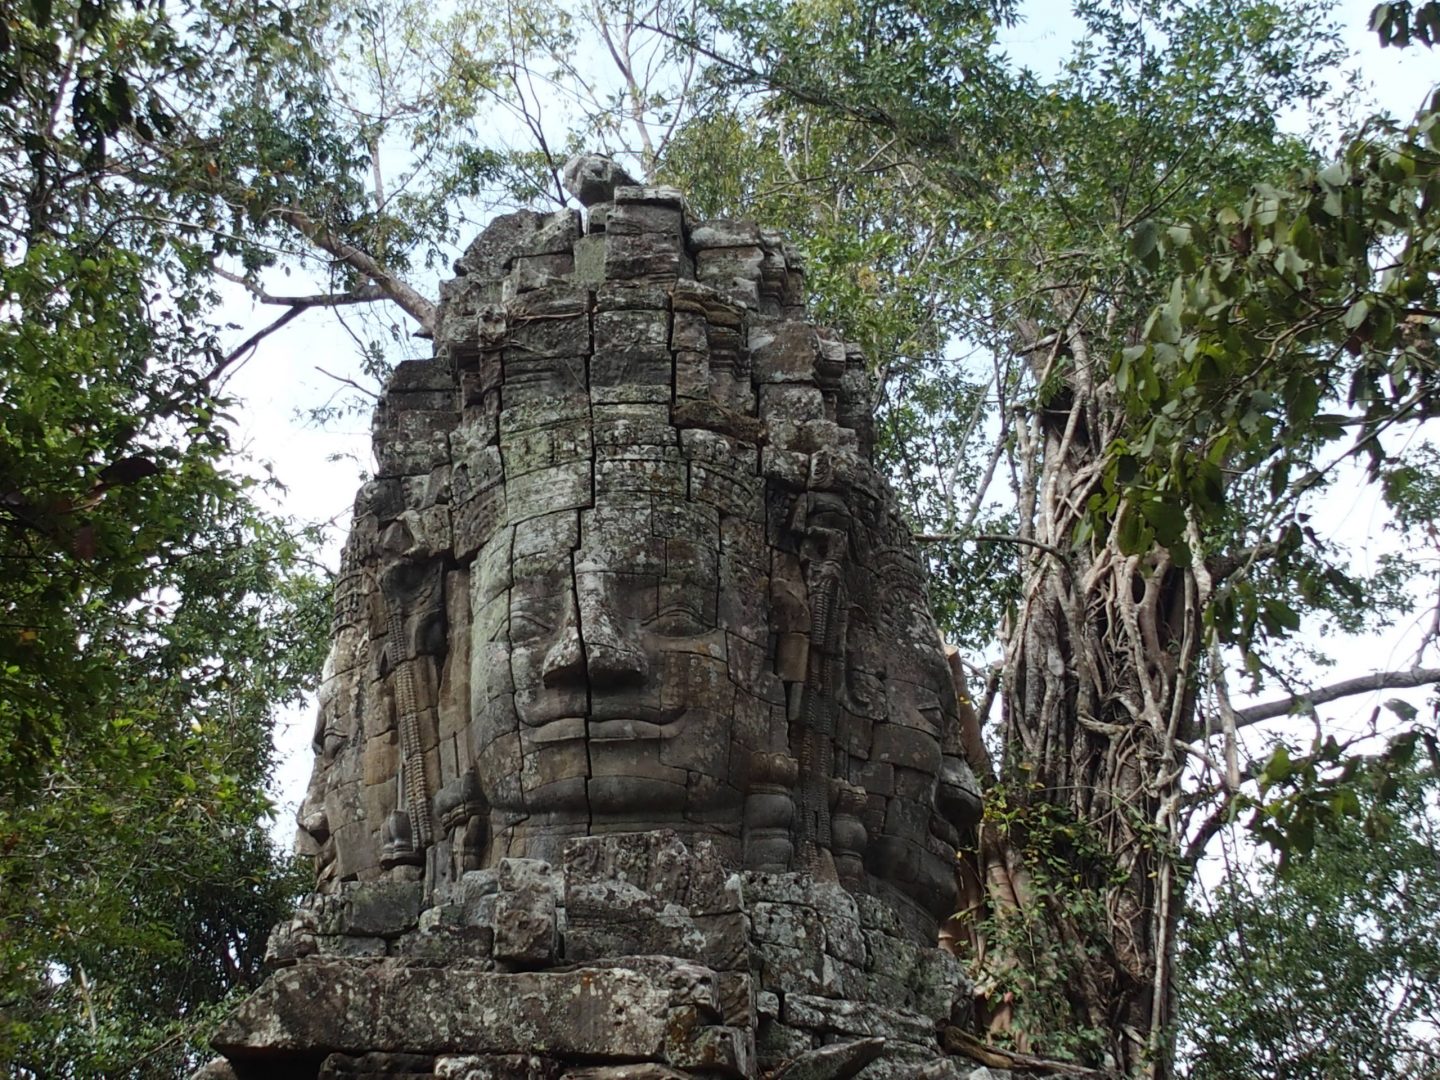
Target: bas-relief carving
{"x":625,"y":566}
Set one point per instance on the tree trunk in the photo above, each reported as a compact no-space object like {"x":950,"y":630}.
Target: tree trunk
{"x":1072,"y":887}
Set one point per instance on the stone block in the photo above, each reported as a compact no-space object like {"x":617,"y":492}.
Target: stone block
{"x":380,"y":908}
{"x":525,"y":927}
{"x":735,"y":993}
{"x":724,"y":233}
{"x":665,"y":934}
{"x":825,"y":1014}
{"x":497,"y":1067}
{"x":776,"y":1043}
{"x":513,"y":875}
{"x":712,"y":1050}
{"x":786,"y":352}
{"x":642,"y":1071}
{"x":785,"y":924}
{"x":797,"y":971}
{"x":733,"y":271}
{"x":447,"y":944}
{"x":840,"y":1059}
{"x":390,"y":1066}
{"x":390,"y":1006}
{"x":509,"y":236}
{"x":844,"y":940}
{"x":727,"y":940}
{"x":346,"y":945}
{"x":792,"y":401}
{"x":938,"y":981}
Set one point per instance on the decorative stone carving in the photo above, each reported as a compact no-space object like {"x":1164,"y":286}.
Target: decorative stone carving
{"x":634,"y":691}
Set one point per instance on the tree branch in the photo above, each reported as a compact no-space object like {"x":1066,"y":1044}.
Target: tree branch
{"x":366,"y":295}
{"x":1223,"y":566}
{"x":298,"y":305}
{"x":935,"y":538}
{"x":410,"y":301}
{"x":1380,"y":680}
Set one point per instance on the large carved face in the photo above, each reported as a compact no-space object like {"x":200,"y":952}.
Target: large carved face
{"x":604,"y":672}
{"x":662,"y":585}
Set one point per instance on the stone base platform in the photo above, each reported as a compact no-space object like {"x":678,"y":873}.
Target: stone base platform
{"x":636,"y":958}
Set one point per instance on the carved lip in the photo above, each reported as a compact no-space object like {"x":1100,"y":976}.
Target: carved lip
{"x":628,"y":730}
{"x":617,"y":722}
{"x":622,"y":707}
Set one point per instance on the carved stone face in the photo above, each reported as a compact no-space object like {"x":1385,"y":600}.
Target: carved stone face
{"x":628,"y":567}
{"x":602,"y":696}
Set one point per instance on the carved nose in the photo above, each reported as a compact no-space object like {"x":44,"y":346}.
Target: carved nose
{"x":564,"y":663}
{"x":614,"y":665}
{"x":613,"y":658}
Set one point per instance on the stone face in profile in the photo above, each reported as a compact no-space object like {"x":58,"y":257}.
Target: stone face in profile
{"x":625,"y":566}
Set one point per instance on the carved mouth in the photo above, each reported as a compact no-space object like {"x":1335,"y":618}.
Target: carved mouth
{"x":606,"y":725}
{"x":624,"y":730}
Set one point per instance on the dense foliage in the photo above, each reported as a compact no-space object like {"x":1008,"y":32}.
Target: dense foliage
{"x":152,"y":615}
{"x":1332,"y":967}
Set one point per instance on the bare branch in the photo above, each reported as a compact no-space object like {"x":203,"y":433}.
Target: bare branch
{"x":367,"y":295}
{"x":1380,"y":680}
{"x":936,"y":538}
{"x":248,"y":345}
{"x":348,"y":382}
{"x":297,"y":306}
{"x":410,"y":301}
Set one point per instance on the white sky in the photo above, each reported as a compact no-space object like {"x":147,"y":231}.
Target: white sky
{"x":321,"y":467}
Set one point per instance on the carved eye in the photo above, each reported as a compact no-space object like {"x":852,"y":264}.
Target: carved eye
{"x":525,"y":627}
{"x":677,"y":621}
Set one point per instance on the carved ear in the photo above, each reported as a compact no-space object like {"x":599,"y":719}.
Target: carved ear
{"x":957,"y":795}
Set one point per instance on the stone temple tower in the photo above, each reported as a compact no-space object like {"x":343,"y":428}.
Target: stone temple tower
{"x":638,"y":755}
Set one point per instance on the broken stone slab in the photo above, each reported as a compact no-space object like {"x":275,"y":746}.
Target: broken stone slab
{"x":497,"y":1067}
{"x":593,"y":178}
{"x":388,"y":1006}
{"x":838,"y":1061}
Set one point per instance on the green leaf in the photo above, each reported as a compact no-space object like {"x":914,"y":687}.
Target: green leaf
{"x":1277,"y":769}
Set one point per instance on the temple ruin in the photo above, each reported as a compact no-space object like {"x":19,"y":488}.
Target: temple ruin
{"x":638,"y":755}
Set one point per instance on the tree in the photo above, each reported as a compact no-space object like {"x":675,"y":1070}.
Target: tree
{"x":1036,"y":220}
{"x":1331,"y":967}
{"x":1151,"y":558}
{"x":154,"y":615}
